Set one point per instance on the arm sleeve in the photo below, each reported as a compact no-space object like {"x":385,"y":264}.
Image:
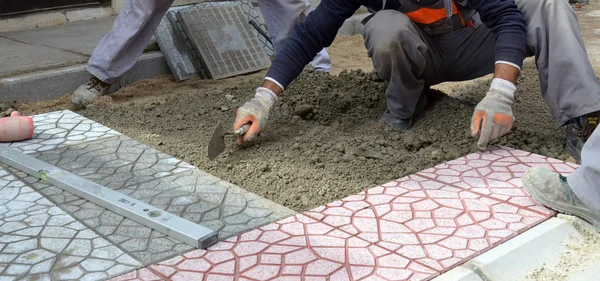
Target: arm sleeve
{"x":316,"y":32}
{"x":507,"y":22}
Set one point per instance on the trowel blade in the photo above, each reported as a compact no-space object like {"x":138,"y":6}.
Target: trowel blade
{"x":216,"y":144}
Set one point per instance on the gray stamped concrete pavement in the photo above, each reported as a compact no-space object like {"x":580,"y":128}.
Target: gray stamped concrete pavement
{"x":95,"y":152}
{"x":39,"y":241}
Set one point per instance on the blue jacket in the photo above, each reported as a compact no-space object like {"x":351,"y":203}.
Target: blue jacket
{"x":321,"y":26}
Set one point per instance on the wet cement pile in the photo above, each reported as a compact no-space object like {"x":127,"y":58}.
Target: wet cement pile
{"x":323,"y":140}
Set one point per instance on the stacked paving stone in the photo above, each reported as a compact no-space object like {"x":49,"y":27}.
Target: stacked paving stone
{"x":212,"y":40}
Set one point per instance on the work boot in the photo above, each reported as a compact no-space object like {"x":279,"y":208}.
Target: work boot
{"x":88,"y":92}
{"x":579,"y":131}
{"x":401,"y":124}
{"x":553,"y":191}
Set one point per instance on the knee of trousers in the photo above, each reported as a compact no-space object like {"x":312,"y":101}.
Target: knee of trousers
{"x":386,"y":34}
{"x":548,"y":7}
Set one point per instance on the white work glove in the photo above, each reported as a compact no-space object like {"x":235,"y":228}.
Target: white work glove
{"x":494,"y":113}
{"x":255,"y":113}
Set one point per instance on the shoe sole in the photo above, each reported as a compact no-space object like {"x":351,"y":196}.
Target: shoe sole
{"x":560,"y":207}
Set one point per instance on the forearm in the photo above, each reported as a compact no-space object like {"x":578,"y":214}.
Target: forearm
{"x":506,"y":72}
{"x":273,"y":87}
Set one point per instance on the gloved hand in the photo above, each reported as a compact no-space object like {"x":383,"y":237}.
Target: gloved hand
{"x":255,"y":112}
{"x":494,"y":113}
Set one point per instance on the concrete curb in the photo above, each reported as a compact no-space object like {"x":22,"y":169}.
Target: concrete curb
{"x":540,"y":246}
{"x":54,"y":83}
{"x":44,"y":85}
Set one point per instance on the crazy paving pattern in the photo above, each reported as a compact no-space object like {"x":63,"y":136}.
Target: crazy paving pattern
{"x":497,"y":174}
{"x":414,"y":228}
{"x":39,"y":241}
{"x":59,"y":129}
{"x":118,"y":162}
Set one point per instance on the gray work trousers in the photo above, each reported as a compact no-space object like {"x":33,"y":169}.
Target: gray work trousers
{"x":410,"y":60}
{"x":121,"y":47}
{"x":281,"y":17}
{"x":585,"y":180}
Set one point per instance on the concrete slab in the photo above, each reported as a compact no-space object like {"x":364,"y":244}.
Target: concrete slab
{"x":17,"y":57}
{"x":223,"y":40}
{"x":172,"y":44}
{"x":414,"y":228}
{"x":79,"y":37}
{"x":95,"y":152}
{"x":39,"y":241}
{"x":173,"y":48}
{"x":497,"y":175}
{"x":187,"y":44}
{"x":296,"y":248}
{"x":140,"y":275}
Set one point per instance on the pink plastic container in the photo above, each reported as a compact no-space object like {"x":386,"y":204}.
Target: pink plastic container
{"x":15,"y":128}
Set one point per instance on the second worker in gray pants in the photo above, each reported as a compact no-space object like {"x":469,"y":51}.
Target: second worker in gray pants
{"x":419,"y":43}
{"x":120,"y":49}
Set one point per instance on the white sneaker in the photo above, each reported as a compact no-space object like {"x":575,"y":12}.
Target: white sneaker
{"x":88,"y":92}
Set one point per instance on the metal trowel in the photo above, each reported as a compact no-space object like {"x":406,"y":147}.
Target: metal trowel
{"x":216,"y":144}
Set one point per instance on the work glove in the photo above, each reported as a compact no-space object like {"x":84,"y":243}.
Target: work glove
{"x":493,"y":115}
{"x":255,"y":113}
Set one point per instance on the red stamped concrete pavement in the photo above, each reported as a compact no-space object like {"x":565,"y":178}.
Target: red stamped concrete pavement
{"x":497,"y":174}
{"x":414,"y":228}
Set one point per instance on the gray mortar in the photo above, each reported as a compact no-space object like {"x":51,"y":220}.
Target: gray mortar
{"x":323,"y":140}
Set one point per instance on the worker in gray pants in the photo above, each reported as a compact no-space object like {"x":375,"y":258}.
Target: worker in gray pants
{"x":577,"y":194}
{"x":422,"y":60}
{"x":419,"y":43}
{"x":281,"y":16}
{"x":120,"y":49}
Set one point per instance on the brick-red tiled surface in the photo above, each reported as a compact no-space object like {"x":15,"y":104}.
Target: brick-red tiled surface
{"x":414,"y":228}
{"x":434,"y":224}
{"x":296,"y":248}
{"x":496,"y":174}
{"x":140,"y":275}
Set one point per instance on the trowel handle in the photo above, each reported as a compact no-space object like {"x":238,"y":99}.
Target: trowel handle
{"x":242,"y":130}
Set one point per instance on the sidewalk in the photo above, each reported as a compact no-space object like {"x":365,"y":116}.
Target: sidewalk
{"x":32,"y":60}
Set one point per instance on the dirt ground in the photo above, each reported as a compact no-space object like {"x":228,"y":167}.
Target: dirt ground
{"x":323,"y":140}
